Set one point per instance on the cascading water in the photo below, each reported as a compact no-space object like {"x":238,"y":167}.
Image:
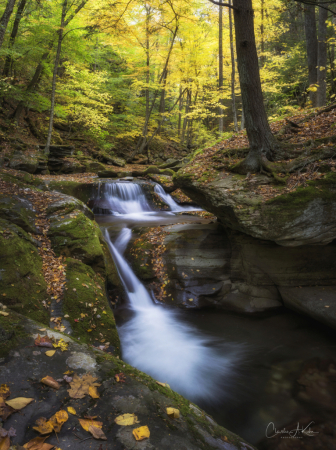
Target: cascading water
{"x":155,"y":340}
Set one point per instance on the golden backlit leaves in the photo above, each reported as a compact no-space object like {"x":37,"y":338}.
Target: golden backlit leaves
{"x":80,"y":387}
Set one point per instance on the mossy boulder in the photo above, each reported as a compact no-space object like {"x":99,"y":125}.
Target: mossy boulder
{"x":93,"y":166}
{"x":27,"y":162}
{"x":75,"y":235}
{"x":22,"y":285}
{"x":303,"y":217}
{"x":19,"y":211}
{"x":71,"y":165}
{"x":113,"y":173}
{"x":66,"y":205}
{"x":86,"y":303}
{"x":166,"y":181}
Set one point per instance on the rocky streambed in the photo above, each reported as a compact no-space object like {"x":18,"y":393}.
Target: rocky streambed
{"x":214,"y":285}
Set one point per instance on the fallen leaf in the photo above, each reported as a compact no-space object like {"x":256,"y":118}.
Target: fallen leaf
{"x":42,"y":329}
{"x":80,"y":386}
{"x":19,"y":402}
{"x":4,"y":391}
{"x":97,"y":433}
{"x":4,"y":314}
{"x":93,"y":392}
{"x":87,"y":423}
{"x":49,"y":381}
{"x":61,"y":344}
{"x":141,"y":433}
{"x":163,"y":384}
{"x":126,"y":419}
{"x":71,"y":410}
{"x":173,"y":413}
{"x":5,"y":443}
{"x":58,"y":419}
{"x":43,"y":426}
{"x":5,"y":410}
{"x":38,"y":444}
{"x":44,"y":341}
{"x":50,"y":353}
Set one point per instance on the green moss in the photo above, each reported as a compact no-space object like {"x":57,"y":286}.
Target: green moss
{"x":176,"y":400}
{"x":82,"y":191}
{"x":141,"y":261}
{"x":74,"y":235}
{"x":22,"y":180}
{"x":22,"y":286}
{"x":85,"y":288}
{"x":12,"y":333}
{"x":168,"y":172}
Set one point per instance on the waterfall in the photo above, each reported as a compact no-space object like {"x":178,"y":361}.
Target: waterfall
{"x":157,"y":342}
{"x":155,"y":339}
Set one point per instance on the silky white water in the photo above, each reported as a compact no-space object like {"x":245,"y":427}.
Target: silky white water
{"x":155,"y":340}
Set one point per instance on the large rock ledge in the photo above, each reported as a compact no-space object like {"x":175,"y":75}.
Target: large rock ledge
{"x":25,"y":365}
{"x":303,"y":217}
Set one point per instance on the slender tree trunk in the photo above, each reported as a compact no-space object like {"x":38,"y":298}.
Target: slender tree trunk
{"x":5,"y":19}
{"x":53,"y":90}
{"x":322,"y":58}
{"x":262,"y":142}
{"x":180,"y":114}
{"x":14,"y":32}
{"x":262,"y":57}
{"x":220,"y":69}
{"x":148,"y":11}
{"x":185,"y":120}
{"x":233,"y":74}
{"x":311,"y":43}
{"x":242,"y":120}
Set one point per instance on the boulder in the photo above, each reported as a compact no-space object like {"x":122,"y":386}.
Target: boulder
{"x":303,"y":217}
{"x":207,"y":265}
{"x":115,"y":161}
{"x":138,"y":394}
{"x":72,"y":166}
{"x":113,"y":174}
{"x":93,"y":166}
{"x":60,"y":151}
{"x":27,"y":162}
{"x":19,"y":211}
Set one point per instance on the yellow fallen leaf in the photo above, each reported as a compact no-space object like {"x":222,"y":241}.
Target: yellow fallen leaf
{"x":87,"y":423}
{"x":4,"y":391}
{"x":5,"y":443}
{"x":50,"y":353}
{"x":93,"y":392}
{"x":104,"y":312}
{"x":58,"y":419}
{"x":38,"y":444}
{"x":3,"y":313}
{"x":71,"y":410}
{"x":19,"y":402}
{"x":141,"y":433}
{"x":43,"y":426}
{"x":126,"y":419}
{"x":173,"y":413}
{"x":163,"y":384}
{"x":89,"y":331}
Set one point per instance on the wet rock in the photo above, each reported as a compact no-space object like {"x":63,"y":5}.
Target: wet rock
{"x":67,"y":204}
{"x":18,"y":210}
{"x":116,"y":161}
{"x":22,"y":285}
{"x":303,"y":217}
{"x":60,"y":151}
{"x":139,"y":393}
{"x":113,"y":174}
{"x":93,"y":166}
{"x":25,"y":161}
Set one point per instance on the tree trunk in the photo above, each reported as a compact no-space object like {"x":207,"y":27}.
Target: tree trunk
{"x":185,"y":120}
{"x":262,"y":142}
{"x":180,"y":114}
{"x":242,"y":120}
{"x":322,"y":58}
{"x":233,"y":74}
{"x":262,"y":57}
{"x":148,"y":11}
{"x":14,"y":32}
{"x":220,"y":68}
{"x":5,"y":19}
{"x":53,"y":90}
{"x":311,"y":44}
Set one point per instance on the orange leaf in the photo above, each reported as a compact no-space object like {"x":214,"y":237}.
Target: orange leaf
{"x":86,"y":424}
{"x":49,"y":381}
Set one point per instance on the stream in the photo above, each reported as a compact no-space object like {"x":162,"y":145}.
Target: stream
{"x":240,"y":369}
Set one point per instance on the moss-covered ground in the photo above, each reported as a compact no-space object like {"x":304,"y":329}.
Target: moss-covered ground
{"x":86,"y":303}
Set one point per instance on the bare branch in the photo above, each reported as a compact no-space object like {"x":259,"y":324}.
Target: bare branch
{"x":223,"y":4}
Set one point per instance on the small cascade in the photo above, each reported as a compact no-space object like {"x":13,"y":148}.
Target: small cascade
{"x":120,"y":198}
{"x":174,"y":207}
{"x":157,"y":342}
